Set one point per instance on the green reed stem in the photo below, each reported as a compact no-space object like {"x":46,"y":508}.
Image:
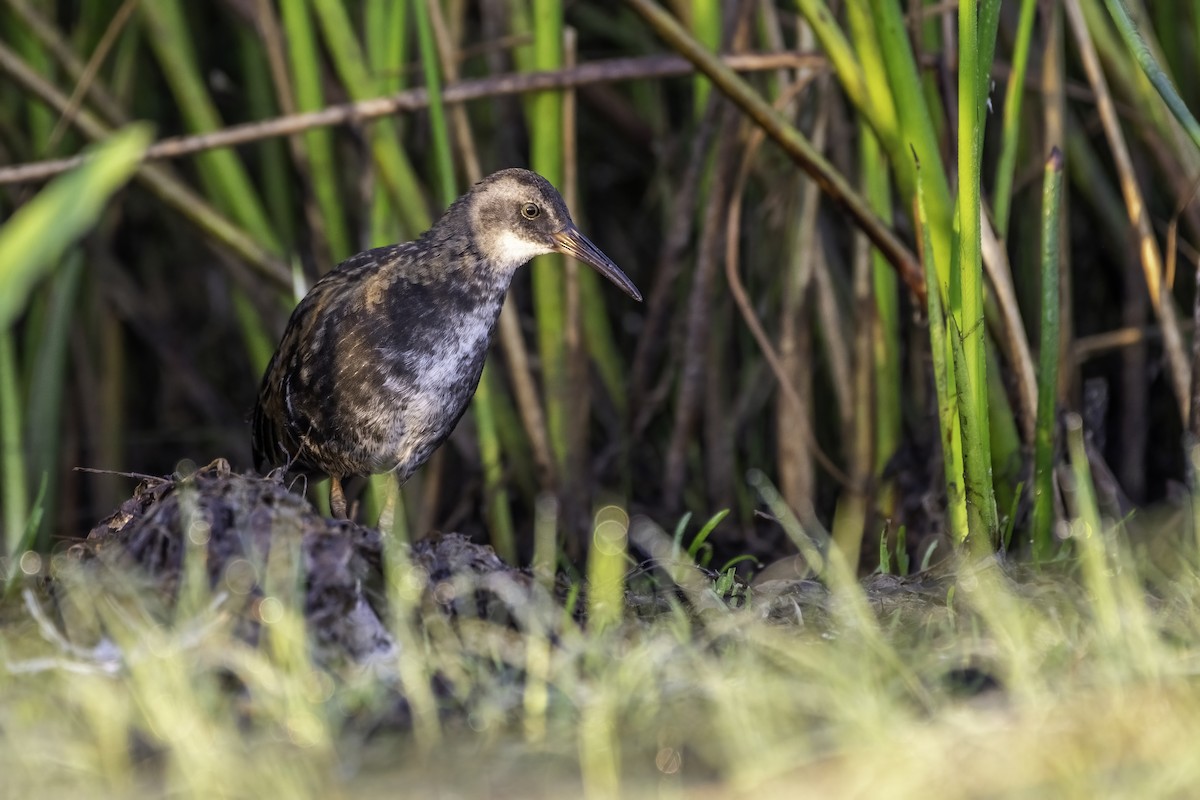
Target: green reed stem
{"x":1014,"y":95}
{"x":1088,"y":532}
{"x":1154,"y":72}
{"x":39,"y":119}
{"x":606,"y":568}
{"x":13,"y":469}
{"x":520,"y":472}
{"x":442,"y":150}
{"x":982,"y":519}
{"x":394,"y":166}
{"x":304,"y":62}
{"x":882,"y":119}
{"x":600,"y":340}
{"x":706,"y":27}
{"x":47,"y":378}
{"x":987,"y":24}
{"x":845,"y":62}
{"x":222,"y":174}
{"x":917,"y":132}
{"x":943,"y":379}
{"x":545,"y":540}
{"x":549,"y":289}
{"x":968,"y":325}
{"x":499,"y":514}
{"x":1043,"y":471}
{"x":275,"y":175}
{"x":385,"y":28}
{"x":1004,"y":435}
{"x":886,"y":333}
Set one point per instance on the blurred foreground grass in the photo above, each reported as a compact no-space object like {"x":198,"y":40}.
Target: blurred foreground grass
{"x":981,"y":681}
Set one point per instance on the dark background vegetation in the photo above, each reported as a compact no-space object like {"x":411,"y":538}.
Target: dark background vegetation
{"x":145,"y":348}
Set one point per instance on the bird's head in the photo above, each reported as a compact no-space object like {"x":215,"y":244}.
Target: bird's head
{"x":516,"y":214}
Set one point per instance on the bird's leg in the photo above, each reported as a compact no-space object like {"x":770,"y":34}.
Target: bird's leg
{"x":387,"y":515}
{"x":337,"y":498}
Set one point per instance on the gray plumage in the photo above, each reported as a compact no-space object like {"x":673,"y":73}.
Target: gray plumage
{"x":381,"y":358}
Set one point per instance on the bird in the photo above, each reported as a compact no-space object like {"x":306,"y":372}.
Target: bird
{"x":381,"y":357}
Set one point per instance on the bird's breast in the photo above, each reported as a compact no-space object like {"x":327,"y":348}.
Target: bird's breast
{"x":426,"y":377}
{"x":438,"y":382}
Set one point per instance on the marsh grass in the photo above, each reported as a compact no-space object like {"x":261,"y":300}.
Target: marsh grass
{"x":675,"y":389}
{"x":979,"y":679}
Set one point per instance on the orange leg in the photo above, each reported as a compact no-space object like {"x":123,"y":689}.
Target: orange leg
{"x":337,"y":498}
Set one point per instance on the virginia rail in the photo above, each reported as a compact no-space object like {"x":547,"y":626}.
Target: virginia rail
{"x":381,"y":357}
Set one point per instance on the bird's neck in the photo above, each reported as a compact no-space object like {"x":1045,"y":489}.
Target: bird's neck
{"x":449,"y":255}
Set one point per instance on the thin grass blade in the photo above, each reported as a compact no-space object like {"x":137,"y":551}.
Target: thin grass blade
{"x":1043,"y":471}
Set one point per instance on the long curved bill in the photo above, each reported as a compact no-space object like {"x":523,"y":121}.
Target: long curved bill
{"x":573,"y":243}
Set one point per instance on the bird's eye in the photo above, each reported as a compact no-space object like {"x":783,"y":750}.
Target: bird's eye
{"x":530,"y":211}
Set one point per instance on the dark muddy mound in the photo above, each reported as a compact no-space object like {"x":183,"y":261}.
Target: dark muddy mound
{"x":233,"y":518}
